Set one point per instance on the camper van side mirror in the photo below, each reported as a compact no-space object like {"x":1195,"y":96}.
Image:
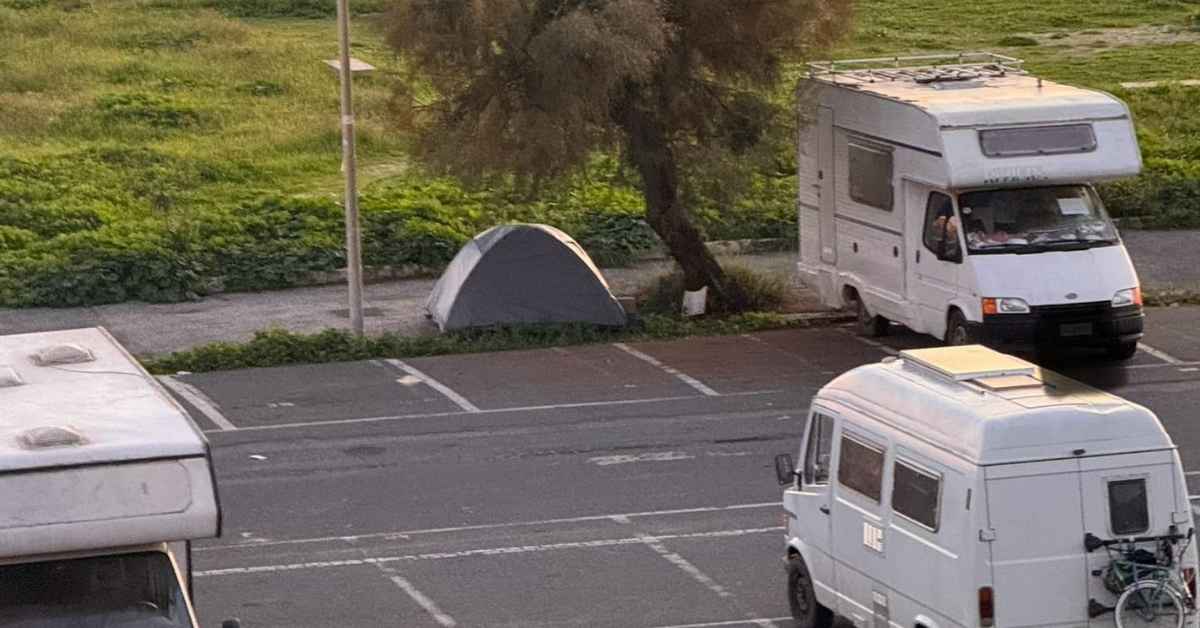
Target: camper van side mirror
{"x":785,"y":469}
{"x":231,"y":623}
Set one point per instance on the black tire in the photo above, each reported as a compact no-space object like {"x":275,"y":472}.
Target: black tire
{"x":868,"y":325}
{"x":958,"y":332}
{"x":1123,"y":351}
{"x":802,"y":598}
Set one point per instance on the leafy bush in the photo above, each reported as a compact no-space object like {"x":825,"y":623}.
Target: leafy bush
{"x":1166,"y":196}
{"x":615,"y":239}
{"x":665,"y":295}
{"x":12,"y":238}
{"x":309,"y":9}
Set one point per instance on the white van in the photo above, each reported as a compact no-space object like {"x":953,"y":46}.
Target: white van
{"x":956,"y":199}
{"x":960,"y":486}
{"x":104,"y":482}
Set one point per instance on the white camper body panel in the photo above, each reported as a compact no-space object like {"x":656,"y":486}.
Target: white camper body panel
{"x":133,"y":468}
{"x":932,"y":132}
{"x":1016,"y":463}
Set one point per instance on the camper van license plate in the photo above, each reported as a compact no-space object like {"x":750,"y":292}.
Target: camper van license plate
{"x":1075,"y":329}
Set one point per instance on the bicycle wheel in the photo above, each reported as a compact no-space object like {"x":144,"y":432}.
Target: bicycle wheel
{"x":1149,"y":604}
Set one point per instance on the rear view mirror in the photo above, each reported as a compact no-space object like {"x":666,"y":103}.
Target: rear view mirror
{"x":785,"y":469}
{"x":231,"y":623}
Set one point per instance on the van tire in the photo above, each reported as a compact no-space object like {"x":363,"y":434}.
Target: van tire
{"x":958,"y":332}
{"x":802,"y":598}
{"x":1123,"y":351}
{"x":868,"y":325}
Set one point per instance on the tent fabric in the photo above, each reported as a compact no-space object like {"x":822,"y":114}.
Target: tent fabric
{"x":522,"y":274}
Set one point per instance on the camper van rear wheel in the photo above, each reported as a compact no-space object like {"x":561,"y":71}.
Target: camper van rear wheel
{"x":957,"y":331}
{"x":873,"y":326}
{"x":802,"y":598}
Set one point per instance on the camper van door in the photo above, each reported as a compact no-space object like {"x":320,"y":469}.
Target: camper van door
{"x":936,"y":256}
{"x":825,"y":163}
{"x":860,"y":521}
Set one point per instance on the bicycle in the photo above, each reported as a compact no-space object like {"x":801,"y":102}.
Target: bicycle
{"x":1152,"y":590}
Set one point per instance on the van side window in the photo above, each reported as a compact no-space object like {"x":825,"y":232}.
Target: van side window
{"x":816,"y":457}
{"x":871,"y":175}
{"x":941,"y":228}
{"x":916,"y":494}
{"x":1128,"y":509}
{"x":860,"y":468}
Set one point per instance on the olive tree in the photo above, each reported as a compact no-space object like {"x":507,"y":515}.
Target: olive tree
{"x":536,"y":87}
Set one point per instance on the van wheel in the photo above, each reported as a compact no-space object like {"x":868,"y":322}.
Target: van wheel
{"x":807,"y":612}
{"x":872,"y":326}
{"x":958,"y":333}
{"x":1122,"y":350}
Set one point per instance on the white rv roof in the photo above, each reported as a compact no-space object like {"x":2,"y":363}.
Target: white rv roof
{"x":104,"y":410}
{"x":989,"y":408}
{"x":1011,"y":98}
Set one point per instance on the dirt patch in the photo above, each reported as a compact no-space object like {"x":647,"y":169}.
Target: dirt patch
{"x":1089,"y":40}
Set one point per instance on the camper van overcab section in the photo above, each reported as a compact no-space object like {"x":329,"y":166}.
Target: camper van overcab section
{"x":960,"y":486}
{"x":954,"y":195}
{"x":105,"y":482}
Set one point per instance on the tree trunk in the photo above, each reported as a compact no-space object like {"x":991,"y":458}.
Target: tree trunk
{"x":652,"y":156}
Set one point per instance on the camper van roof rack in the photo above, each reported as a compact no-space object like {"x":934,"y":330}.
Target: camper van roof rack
{"x":974,"y":363}
{"x":924,"y":69}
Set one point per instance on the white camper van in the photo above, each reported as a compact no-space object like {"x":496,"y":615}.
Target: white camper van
{"x":104,"y":481}
{"x":956,"y":199}
{"x":960,"y":486}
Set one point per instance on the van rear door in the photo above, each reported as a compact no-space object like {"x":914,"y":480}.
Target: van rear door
{"x":1129,"y":495}
{"x":1039,"y":568}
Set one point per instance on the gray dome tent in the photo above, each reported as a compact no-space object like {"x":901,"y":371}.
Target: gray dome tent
{"x":522,"y":274}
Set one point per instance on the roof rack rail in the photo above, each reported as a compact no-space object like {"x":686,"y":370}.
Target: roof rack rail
{"x":963,"y":66}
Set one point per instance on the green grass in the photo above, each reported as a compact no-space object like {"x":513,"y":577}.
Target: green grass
{"x":121,"y":116}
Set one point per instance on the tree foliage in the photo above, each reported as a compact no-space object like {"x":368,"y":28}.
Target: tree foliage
{"x":535,"y":87}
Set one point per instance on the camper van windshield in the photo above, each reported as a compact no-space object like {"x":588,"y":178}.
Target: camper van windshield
{"x":125,"y":591}
{"x":1034,"y":220}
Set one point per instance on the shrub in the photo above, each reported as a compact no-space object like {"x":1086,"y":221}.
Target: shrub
{"x":1015,"y":41}
{"x":310,"y":9}
{"x":615,"y":239}
{"x":1166,"y":196}
{"x":665,"y":295}
{"x":155,"y":111}
{"x":12,"y":238}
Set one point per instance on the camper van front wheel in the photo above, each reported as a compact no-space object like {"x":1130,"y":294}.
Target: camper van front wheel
{"x":802,"y":597}
{"x":958,"y":333}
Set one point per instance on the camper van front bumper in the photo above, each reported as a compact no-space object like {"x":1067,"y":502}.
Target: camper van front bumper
{"x":1076,"y":325}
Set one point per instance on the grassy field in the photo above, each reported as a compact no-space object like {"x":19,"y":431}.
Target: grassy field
{"x":151,"y":129}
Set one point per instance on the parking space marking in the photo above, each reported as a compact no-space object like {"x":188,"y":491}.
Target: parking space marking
{"x":420,"y":598}
{"x":446,"y":391}
{"x":545,"y":408}
{"x":1162,"y":355}
{"x":199,"y":400}
{"x":733,"y":622}
{"x":670,"y":370}
{"x":686,"y":567}
{"x":491,"y":551}
{"x":873,"y":343}
{"x":619,"y":517}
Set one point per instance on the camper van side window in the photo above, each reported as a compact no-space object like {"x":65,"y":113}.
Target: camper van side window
{"x":1128,"y":509}
{"x":860,"y":468}
{"x":871,"y":176}
{"x":816,"y":457}
{"x":916,"y":494}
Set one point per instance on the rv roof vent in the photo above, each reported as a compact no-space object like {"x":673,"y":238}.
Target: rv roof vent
{"x":9,"y":377}
{"x":49,"y":437}
{"x":969,"y":362}
{"x":63,"y":354}
{"x":1009,"y":382}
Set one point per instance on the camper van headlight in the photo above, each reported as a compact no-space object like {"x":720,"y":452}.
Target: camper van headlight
{"x":1005,"y":305}
{"x":1125,"y":298}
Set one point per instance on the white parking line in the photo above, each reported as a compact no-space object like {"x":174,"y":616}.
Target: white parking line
{"x":687,"y":567}
{"x":734,"y":622}
{"x":434,"y":415}
{"x":1162,"y":355}
{"x":873,"y":343}
{"x":490,"y":526}
{"x":197,"y":398}
{"x":670,"y":370}
{"x":458,"y":399}
{"x":420,"y":598}
{"x":491,"y":551}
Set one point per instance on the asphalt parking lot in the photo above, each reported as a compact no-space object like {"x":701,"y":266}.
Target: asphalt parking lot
{"x":606,"y":485}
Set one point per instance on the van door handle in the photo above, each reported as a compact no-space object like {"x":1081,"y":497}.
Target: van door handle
{"x":895,"y":251}
{"x":918,"y":257}
{"x":824,"y":509}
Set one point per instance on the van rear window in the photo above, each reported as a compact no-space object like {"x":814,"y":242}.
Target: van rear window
{"x":1038,"y":140}
{"x":1128,"y":509}
{"x":915,"y":494}
{"x":861,"y":468}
